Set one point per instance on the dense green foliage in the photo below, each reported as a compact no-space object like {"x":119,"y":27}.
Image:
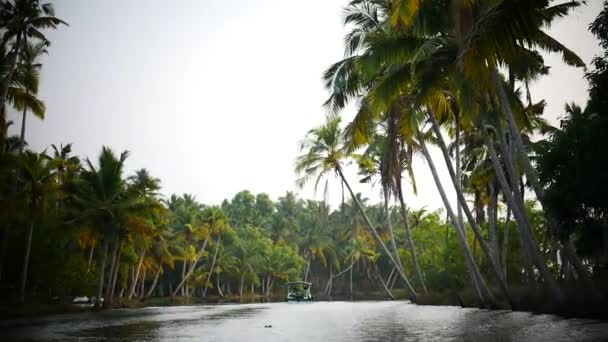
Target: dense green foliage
{"x":416,"y":71}
{"x":573,"y":161}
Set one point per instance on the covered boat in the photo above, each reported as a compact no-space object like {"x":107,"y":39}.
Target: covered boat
{"x":298,"y":291}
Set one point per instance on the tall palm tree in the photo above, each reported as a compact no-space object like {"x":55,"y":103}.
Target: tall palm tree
{"x":22,"y":20}
{"x":325,"y":152}
{"x":25,"y":85}
{"x":387,"y":156}
{"x":37,"y":184}
{"x":102,"y":200}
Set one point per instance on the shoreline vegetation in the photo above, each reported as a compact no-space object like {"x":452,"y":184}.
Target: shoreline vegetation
{"x":527,"y":229}
{"x":574,"y":307}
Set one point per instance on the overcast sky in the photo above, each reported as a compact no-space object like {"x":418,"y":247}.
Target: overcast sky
{"x":213,"y":96}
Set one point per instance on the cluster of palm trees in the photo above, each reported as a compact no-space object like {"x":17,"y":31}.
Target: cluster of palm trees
{"x":416,"y":69}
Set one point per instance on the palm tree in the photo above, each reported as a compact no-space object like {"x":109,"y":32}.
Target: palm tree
{"x":37,"y":183}
{"x":212,"y":222}
{"x":102,"y":200}
{"x":21,"y":20}
{"x":325,"y":153}
{"x":389,"y":157}
{"x":25,"y":85}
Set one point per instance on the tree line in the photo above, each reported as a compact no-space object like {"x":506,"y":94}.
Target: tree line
{"x":529,"y":210}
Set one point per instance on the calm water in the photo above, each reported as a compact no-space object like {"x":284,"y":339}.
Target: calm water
{"x":322,"y":321}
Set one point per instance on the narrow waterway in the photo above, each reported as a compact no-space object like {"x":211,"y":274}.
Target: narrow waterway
{"x":320,"y":321}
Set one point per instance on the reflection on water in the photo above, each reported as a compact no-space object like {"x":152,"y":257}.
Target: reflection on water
{"x":322,"y":321}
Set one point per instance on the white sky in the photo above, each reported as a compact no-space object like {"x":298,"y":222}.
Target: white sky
{"x":213,"y":96}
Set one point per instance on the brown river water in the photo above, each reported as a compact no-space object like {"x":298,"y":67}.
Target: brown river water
{"x":319,"y":321}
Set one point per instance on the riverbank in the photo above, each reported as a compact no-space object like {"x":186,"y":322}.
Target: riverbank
{"x":576,"y":305}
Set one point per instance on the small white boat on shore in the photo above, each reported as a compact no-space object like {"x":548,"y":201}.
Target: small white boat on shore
{"x":85,"y":301}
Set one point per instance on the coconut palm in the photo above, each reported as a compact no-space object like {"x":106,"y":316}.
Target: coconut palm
{"x":22,"y":21}
{"x":325,"y":152}
{"x":101,"y":199}
{"x":24,"y":88}
{"x":36,"y":184}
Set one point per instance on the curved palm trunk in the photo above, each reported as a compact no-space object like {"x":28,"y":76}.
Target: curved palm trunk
{"x":524,"y":228}
{"x":495,"y":268}
{"x":134,"y":281}
{"x":191,"y":268}
{"x":219,"y":288}
{"x":376,"y":235}
{"x":408,"y":238}
{"x":477,"y":280}
{"x":217,"y":248}
{"x":26,"y":260}
{"x":153,"y":286}
{"x":531,"y":175}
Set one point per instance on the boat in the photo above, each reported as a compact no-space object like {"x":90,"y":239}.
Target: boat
{"x":84,"y":301}
{"x":298,"y":291}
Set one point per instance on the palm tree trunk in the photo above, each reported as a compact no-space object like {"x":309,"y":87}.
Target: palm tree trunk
{"x":505,"y":243}
{"x":114,"y":254}
{"x":408,"y":238}
{"x":518,"y":195}
{"x":492,"y":219}
{"x":524,"y":228}
{"x":134,"y":280}
{"x":241,"y":285}
{"x":217,"y":248}
{"x":184,"y":263}
{"x":531,"y":175}
{"x":116,"y":270}
{"x":375,"y":233}
{"x":22,"y":136}
{"x":351,"y":278}
{"x":384,"y":284}
{"x":477,"y":280}
{"x":91,"y":256}
{"x":495,"y":268}
{"x":153,"y":286}
{"x":219,"y":288}
{"x":191,"y":268}
{"x":26,"y":259}
{"x":101,"y":273}
{"x":143,"y":284}
{"x":307,"y":268}
{"x":458,"y":169}
{"x":389,"y":225}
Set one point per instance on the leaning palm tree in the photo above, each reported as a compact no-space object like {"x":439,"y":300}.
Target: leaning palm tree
{"x":325,"y":153}
{"x":387,"y":156}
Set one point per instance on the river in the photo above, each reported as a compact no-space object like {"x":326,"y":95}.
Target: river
{"x":319,"y":321}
